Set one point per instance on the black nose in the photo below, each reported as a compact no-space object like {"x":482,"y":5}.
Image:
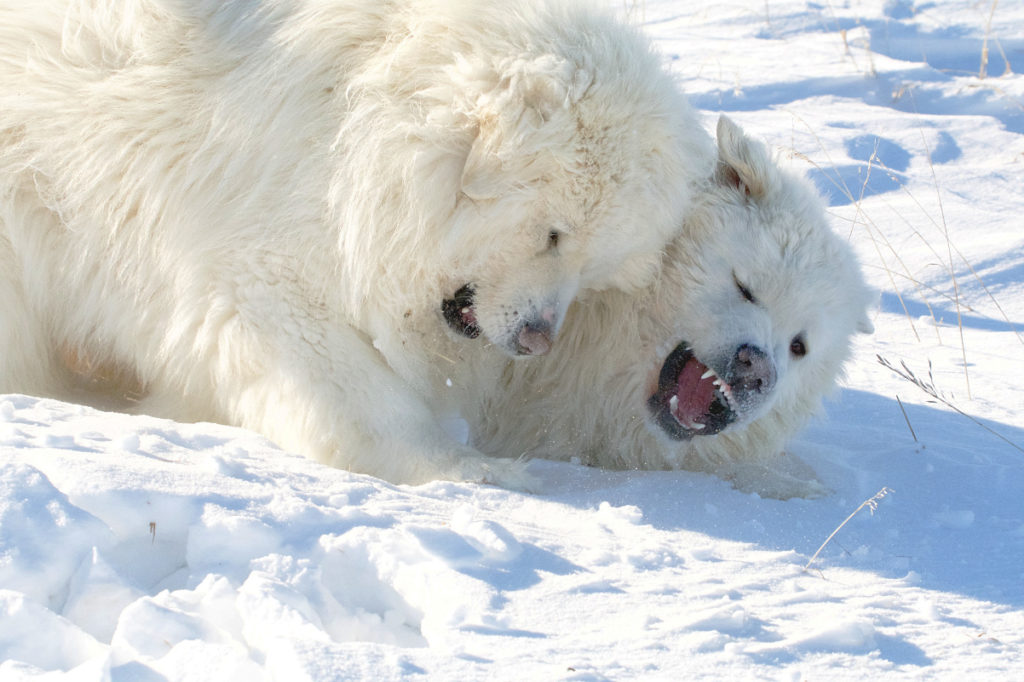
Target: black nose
{"x":751,"y":370}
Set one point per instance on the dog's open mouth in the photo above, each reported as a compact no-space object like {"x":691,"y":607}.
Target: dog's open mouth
{"x":690,"y":399}
{"x":459,"y":314}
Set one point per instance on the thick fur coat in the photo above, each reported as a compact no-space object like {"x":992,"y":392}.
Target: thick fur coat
{"x":254,"y":210}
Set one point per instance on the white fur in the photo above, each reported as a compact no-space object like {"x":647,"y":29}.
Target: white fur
{"x":254,"y":208}
{"x":588,"y":398}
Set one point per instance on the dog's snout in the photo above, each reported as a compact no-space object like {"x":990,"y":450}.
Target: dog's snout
{"x":537,"y":331}
{"x":534,"y":338}
{"x":752,"y":370}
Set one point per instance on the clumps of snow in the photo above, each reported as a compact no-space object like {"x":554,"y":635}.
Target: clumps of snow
{"x":209,"y":554}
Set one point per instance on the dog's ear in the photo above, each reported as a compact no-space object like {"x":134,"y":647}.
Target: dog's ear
{"x":864,"y":325}
{"x":742,"y":162}
{"x":512,"y":119}
{"x":492,"y":171}
{"x":482,"y":175}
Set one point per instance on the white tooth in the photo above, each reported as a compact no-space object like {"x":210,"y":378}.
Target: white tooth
{"x":696,"y":426}
{"x":673,"y":403}
{"x":709,"y":373}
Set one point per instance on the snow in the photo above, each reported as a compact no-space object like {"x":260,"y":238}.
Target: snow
{"x":133,"y":548}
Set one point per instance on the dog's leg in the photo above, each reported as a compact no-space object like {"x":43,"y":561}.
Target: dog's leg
{"x":347,"y":408}
{"x":29,"y":362}
{"x":316,"y":386}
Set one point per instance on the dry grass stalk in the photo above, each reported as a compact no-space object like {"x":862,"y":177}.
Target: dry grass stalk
{"x":928,"y":387}
{"x":871,"y":503}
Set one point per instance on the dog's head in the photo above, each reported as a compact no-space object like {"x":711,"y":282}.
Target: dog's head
{"x":576,"y":178}
{"x":758,"y":302}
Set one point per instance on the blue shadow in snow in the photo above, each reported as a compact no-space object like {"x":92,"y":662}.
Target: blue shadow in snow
{"x":946,"y":149}
{"x":891,"y":304}
{"x":844,"y":185}
{"x":952,"y":54}
{"x":953,"y":481}
{"x":880,"y":171}
{"x":869,"y":148}
{"x":502,"y":632}
{"x":949,"y":49}
{"x":997,"y":273}
{"x":516,"y":573}
{"x":900,"y":651}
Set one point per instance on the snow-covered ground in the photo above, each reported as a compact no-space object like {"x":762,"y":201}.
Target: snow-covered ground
{"x":138,"y":549}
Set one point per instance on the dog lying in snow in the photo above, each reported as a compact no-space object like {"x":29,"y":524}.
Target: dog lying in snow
{"x":716,"y":364}
{"x":286,"y":215}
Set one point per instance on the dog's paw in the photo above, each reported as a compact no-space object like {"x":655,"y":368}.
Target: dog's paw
{"x":779,"y":477}
{"x":512,"y":474}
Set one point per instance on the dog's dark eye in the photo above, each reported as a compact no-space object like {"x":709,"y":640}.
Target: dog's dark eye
{"x":553,"y":237}
{"x":744,"y":291}
{"x":798,"y":347}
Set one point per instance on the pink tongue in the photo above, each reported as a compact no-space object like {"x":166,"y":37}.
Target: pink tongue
{"x":695,"y":394}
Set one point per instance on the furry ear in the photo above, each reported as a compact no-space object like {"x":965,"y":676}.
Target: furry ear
{"x":742,"y":162}
{"x":544,"y":87}
{"x":490,"y":171}
{"x":482,"y":175}
{"x":511,"y":117}
{"x":864,"y":325}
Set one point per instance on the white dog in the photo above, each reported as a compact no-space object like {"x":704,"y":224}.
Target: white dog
{"x":286,"y":214}
{"x":718,"y":363}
